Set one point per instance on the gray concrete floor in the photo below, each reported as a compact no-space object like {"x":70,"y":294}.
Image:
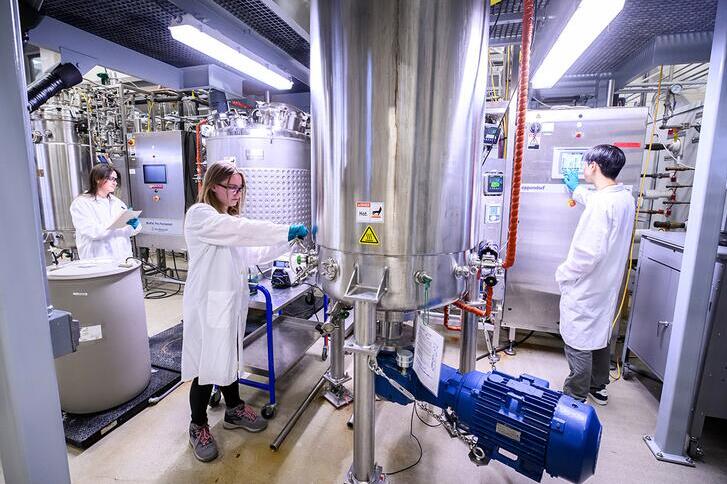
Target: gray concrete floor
{"x":153,"y":446}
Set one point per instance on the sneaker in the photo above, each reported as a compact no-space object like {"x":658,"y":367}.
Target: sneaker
{"x":202,"y":442}
{"x":599,"y":397}
{"x":244,"y":417}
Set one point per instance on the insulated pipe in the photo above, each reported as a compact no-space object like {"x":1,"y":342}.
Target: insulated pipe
{"x":446,"y":320}
{"x":468,"y":342}
{"x":527,"y":33}
{"x":61,"y":77}
{"x":198,"y":146}
{"x":470,"y":309}
{"x":364,"y":466}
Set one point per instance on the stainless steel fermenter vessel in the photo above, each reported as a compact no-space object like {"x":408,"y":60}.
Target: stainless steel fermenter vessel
{"x":397,"y":92}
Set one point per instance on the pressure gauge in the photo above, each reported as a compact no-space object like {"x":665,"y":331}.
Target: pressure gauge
{"x":675,"y":88}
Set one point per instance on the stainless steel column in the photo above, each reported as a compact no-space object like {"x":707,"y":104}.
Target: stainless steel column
{"x":337,"y":370}
{"x":468,"y":343}
{"x":700,"y":250}
{"x":363,"y":404}
{"x":32,"y":446}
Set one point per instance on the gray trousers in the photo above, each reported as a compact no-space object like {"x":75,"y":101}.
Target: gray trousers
{"x":588,"y":371}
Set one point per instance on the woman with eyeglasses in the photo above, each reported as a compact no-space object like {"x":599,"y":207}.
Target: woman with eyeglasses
{"x":221,"y":246}
{"x":95,"y":210}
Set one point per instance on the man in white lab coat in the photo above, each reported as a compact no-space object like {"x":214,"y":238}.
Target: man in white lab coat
{"x":590,"y":278}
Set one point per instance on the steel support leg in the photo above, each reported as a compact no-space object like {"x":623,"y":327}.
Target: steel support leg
{"x":337,"y":394}
{"x":364,"y":467}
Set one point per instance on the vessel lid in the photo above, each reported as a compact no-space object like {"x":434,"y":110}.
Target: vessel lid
{"x":90,"y":268}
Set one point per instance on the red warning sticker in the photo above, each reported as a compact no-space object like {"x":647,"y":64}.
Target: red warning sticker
{"x":627,"y":144}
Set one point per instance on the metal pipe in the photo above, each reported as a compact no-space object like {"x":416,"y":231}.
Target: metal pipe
{"x":698,"y":262}
{"x":468,"y":342}
{"x":363,"y":384}
{"x":338,"y":370}
{"x":275,"y":445}
{"x":610,"y":92}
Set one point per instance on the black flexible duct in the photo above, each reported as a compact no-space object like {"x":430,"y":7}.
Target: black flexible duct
{"x":218,"y":101}
{"x":60,"y":77}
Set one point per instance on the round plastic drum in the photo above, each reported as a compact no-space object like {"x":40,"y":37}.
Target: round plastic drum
{"x":112,"y":363}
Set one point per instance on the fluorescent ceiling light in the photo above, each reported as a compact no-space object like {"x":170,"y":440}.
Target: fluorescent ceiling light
{"x":208,"y":45}
{"x":587,"y":23}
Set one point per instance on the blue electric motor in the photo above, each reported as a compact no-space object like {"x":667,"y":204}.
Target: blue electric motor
{"x":517,"y":421}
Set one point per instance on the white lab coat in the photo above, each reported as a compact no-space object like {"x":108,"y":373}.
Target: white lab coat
{"x":590,"y":278}
{"x":216,"y":295}
{"x":91,"y":217}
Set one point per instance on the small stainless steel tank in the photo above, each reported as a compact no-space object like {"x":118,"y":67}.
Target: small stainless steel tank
{"x":63,"y":161}
{"x":397,"y":91}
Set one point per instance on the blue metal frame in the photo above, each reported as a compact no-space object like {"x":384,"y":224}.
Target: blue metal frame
{"x":270,"y":385}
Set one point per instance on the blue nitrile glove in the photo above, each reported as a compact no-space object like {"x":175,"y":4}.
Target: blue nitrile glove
{"x":314,"y":231}
{"x":297,"y":231}
{"x":134,"y":222}
{"x":570,"y":178}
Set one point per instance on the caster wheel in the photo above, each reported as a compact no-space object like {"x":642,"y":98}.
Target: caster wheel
{"x":268,"y":411}
{"x":215,"y":398}
{"x":626,"y":373}
{"x":324,"y":353}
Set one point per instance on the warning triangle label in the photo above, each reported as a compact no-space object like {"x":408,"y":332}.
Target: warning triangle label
{"x":369,"y":237}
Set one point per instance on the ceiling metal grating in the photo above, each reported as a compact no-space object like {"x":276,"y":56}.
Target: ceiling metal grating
{"x":510,"y":30}
{"x":639,"y":22}
{"x":139,"y":25}
{"x":266,"y":23}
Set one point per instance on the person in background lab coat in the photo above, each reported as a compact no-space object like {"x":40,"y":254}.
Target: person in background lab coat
{"x":590,"y":278}
{"x":221,"y":246}
{"x":94,"y":211}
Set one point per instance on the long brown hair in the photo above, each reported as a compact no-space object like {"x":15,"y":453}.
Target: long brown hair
{"x":219,"y":173}
{"x":99,"y":173}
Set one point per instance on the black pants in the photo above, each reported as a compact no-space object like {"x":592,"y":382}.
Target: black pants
{"x":199,"y":397}
{"x":588,"y":371}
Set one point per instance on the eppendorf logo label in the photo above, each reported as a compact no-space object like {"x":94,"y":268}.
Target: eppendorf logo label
{"x":528,"y":187}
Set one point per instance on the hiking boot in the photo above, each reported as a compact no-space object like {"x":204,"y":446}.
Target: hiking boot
{"x":244,"y":417}
{"x":202,"y":442}
{"x":599,"y":397}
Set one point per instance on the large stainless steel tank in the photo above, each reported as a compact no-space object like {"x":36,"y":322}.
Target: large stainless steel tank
{"x":397,"y":91}
{"x":63,"y":160}
{"x":273,"y":150}
{"x":112,"y":364}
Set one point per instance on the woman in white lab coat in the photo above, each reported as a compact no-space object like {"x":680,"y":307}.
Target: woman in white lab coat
{"x":221,"y":246}
{"x":94,"y":211}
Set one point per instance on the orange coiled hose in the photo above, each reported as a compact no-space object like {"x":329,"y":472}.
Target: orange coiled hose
{"x":446,"y":321}
{"x":522,"y":105}
{"x":488,"y":302}
{"x":198,"y":145}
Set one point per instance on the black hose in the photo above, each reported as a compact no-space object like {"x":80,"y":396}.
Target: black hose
{"x":61,"y":77}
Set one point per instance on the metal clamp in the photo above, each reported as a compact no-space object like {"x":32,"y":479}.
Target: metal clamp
{"x":374,"y":366}
{"x":463,"y":272}
{"x":353,"y":348}
{"x":664,"y":324}
{"x":330,"y":269}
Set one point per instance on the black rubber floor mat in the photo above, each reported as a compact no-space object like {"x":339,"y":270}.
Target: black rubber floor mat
{"x":166,"y":349}
{"x":85,"y":430}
